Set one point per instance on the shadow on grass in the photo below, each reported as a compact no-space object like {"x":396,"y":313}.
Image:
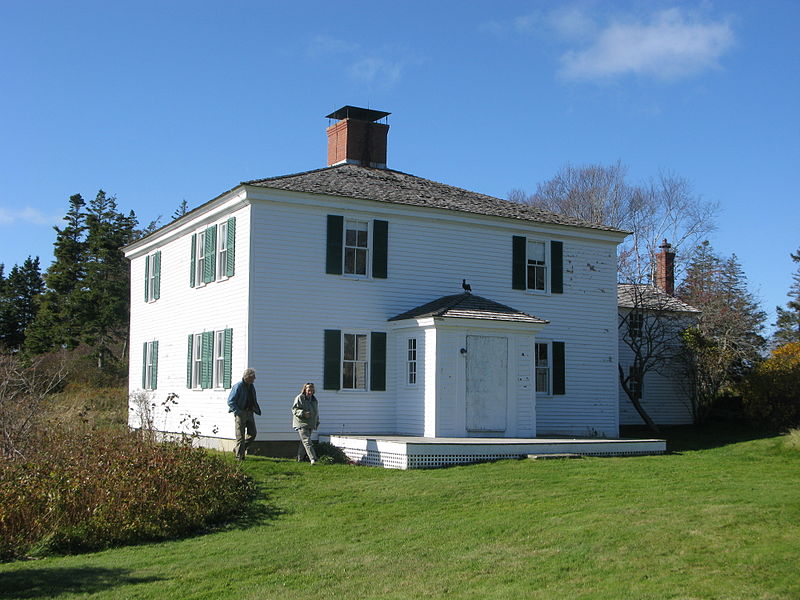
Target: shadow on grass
{"x":46,"y":583}
{"x":682,"y":438}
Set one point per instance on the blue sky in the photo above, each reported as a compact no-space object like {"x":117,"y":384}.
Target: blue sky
{"x":157,"y":102}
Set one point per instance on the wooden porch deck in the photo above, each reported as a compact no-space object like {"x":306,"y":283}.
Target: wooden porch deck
{"x":409,"y":452}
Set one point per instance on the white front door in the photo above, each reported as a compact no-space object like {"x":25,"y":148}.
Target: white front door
{"x":487,"y":383}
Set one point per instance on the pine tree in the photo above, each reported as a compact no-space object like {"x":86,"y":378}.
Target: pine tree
{"x":106,"y":287}
{"x":55,"y":324}
{"x":726,"y":342}
{"x":788,"y":323}
{"x":18,"y":302}
{"x":182,"y":209}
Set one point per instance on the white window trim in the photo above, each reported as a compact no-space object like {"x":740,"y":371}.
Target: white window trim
{"x":369,"y":248}
{"x":200,"y":258}
{"x":222,"y":246}
{"x":409,"y":362}
{"x":218,"y":360}
{"x":548,"y":265}
{"x":366,"y":334}
{"x":151,"y":277}
{"x":148,"y":361}
{"x":549,"y":345}
{"x":197,"y":361}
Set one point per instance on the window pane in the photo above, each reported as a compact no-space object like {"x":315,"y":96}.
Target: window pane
{"x":362,"y":237}
{"x":349,"y":346}
{"x":348,"y":379}
{"x":361,"y":347}
{"x":349,"y":260}
{"x":361,"y":375}
{"x":536,"y":252}
{"x":361,"y":262}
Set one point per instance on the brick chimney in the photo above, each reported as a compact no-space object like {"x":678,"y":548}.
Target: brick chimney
{"x":665,"y":268}
{"x":356,"y":138}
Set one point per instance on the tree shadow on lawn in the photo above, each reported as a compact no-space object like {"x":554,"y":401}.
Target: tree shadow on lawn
{"x":715,"y":434}
{"x":46,"y":583}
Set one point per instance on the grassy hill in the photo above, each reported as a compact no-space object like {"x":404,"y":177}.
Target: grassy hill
{"x":719,"y":518}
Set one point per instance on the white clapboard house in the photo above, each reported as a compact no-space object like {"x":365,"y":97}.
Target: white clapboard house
{"x":354,"y":277}
{"x":647,"y":312}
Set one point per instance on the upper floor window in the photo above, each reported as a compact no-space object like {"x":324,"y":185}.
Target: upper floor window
{"x":635,"y":324}
{"x":152,"y":277}
{"x":356,"y":247}
{"x":213,"y":253}
{"x":411,"y":364}
{"x":537,"y":266}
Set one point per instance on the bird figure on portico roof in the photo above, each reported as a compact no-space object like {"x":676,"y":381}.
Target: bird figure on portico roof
{"x":467,"y":287}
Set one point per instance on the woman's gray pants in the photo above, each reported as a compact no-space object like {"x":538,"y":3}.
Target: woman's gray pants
{"x":305,"y":443}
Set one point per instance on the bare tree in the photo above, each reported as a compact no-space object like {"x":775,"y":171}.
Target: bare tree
{"x":24,"y":388}
{"x":662,"y":207}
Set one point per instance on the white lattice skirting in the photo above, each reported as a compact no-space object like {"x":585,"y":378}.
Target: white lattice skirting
{"x":400,"y":452}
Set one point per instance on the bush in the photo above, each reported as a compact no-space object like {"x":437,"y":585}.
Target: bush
{"x":88,"y":489}
{"x":330,"y":454}
{"x":771,"y":392}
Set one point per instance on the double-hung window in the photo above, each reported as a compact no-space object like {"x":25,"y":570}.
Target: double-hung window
{"x":635,"y":382}
{"x":356,"y":247}
{"x":150,"y":365}
{"x":209,"y":359}
{"x":200,"y":254}
{"x":152,"y":277}
{"x":635,"y":324}
{"x":537,"y":266}
{"x":411,"y":362}
{"x":542,"y":366}
{"x":222,"y":249}
{"x":354,"y":361}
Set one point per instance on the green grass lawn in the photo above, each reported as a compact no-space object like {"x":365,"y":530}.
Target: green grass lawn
{"x":717,"y":519}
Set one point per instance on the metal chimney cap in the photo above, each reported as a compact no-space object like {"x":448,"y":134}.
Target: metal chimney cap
{"x":360,"y":114}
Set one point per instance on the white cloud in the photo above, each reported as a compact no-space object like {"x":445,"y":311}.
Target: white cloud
{"x":376,"y":71}
{"x":668,"y":47}
{"x":571,"y":23}
{"x":26,"y":215}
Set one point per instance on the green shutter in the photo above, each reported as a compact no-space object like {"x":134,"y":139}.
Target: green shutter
{"x":189,"y":362}
{"x":331,"y":378}
{"x":210,"y":267}
{"x":557,"y":267}
{"x":192,"y":262}
{"x":157,"y":277}
{"x":146,"y":278}
{"x":230,"y":266}
{"x":518,"y":250}
{"x":333,"y":256}
{"x":377,"y":361}
{"x":155,"y":366}
{"x":559,"y":369}
{"x":144,"y":366}
{"x":207,"y":360}
{"x":380,"y":251}
{"x":228,"y":353}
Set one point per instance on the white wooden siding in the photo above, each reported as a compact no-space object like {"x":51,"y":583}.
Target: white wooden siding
{"x":292,"y":301}
{"x":182,"y":310}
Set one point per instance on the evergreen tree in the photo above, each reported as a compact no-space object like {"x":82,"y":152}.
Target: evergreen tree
{"x":55,"y":324}
{"x":182,"y":209}
{"x":788,"y":323}
{"x":18,"y":302}
{"x":105,"y":293}
{"x":726,"y":342}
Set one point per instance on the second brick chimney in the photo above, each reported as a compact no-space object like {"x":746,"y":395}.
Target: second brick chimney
{"x":357,"y":138}
{"x":665,"y":268}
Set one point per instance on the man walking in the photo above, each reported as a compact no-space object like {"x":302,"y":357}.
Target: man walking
{"x":243,"y":404}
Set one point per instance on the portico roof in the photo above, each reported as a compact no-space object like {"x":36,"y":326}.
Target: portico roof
{"x":468,"y":306}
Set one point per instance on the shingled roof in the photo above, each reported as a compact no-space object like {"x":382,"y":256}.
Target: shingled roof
{"x":386,"y":185}
{"x":468,"y":306}
{"x":649,"y":297}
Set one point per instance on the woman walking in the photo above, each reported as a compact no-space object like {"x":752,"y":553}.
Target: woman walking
{"x":305,"y":419}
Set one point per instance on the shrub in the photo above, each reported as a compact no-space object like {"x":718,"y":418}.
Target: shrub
{"x":89,"y":489}
{"x":771,"y":392}
{"x":330,"y":454}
